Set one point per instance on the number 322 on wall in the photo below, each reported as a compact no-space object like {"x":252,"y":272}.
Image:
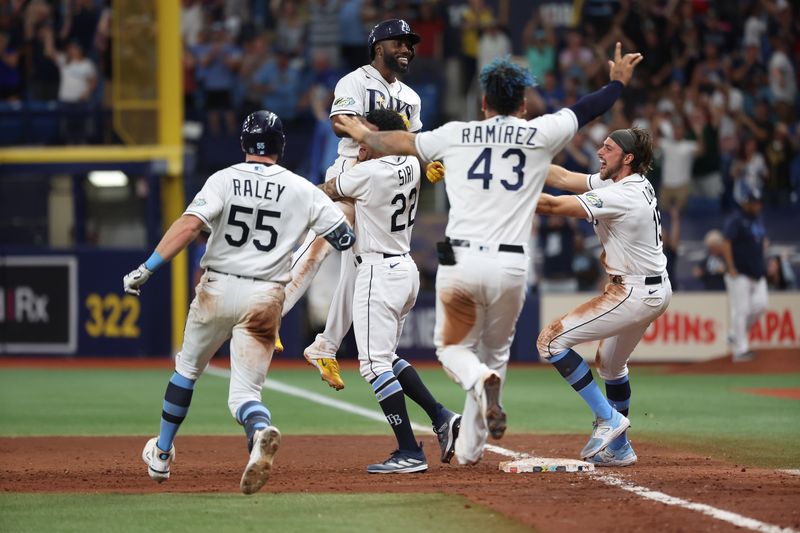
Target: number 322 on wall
{"x":112,"y":315}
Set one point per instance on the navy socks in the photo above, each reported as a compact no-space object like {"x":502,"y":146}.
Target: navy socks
{"x":414,"y":388}
{"x":389,"y":394}
{"x":574,"y":369}
{"x":253,"y":416}
{"x":177,"y":399}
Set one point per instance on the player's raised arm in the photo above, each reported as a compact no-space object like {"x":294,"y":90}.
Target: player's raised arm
{"x":566,"y":205}
{"x":595,"y":104}
{"x":561,"y":178}
{"x":387,"y":142}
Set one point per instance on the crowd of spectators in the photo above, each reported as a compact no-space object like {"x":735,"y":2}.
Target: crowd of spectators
{"x":717,"y":87}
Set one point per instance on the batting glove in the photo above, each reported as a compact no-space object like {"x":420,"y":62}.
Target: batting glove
{"x":434,"y":172}
{"x":136,"y":279}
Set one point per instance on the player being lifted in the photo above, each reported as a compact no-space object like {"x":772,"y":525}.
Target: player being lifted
{"x":621,"y":205}
{"x":251,"y":209}
{"x":373,"y":86}
{"x":496,"y":169}
{"x":385,"y":189}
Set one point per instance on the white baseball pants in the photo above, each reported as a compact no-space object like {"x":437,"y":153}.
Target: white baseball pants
{"x":618,"y":318}
{"x":306,"y":262}
{"x":747,"y":301}
{"x":478,"y":302}
{"x":385,"y":291}
{"x":245,"y":310}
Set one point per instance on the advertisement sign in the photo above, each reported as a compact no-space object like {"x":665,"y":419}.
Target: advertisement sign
{"x":38,"y":303}
{"x":695,"y":326}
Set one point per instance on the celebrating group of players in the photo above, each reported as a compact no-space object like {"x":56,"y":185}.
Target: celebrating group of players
{"x":256,"y":211}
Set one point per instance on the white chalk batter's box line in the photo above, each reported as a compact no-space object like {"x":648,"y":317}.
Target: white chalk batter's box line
{"x":609,"y":479}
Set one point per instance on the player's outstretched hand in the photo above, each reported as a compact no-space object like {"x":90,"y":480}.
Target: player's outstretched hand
{"x":621,"y":67}
{"x":352,"y":127}
{"x":135,"y":279}
{"x":434,"y":172}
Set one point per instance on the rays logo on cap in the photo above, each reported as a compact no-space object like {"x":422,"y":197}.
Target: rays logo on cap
{"x":405,"y":27}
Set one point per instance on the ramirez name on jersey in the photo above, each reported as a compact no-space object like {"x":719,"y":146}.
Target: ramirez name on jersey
{"x":483,"y":133}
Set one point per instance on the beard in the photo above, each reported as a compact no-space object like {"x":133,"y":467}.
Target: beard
{"x":394,"y":65}
{"x":609,"y":171}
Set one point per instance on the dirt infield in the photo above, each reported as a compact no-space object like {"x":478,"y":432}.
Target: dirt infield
{"x":548,"y":502}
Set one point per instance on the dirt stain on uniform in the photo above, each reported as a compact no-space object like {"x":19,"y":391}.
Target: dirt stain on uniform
{"x":264,"y":318}
{"x":612,"y":296}
{"x":317,"y":251}
{"x":204,"y":304}
{"x":459,"y":315}
{"x":549,"y":333}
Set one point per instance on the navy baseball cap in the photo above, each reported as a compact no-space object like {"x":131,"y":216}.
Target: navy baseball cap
{"x":392,"y":29}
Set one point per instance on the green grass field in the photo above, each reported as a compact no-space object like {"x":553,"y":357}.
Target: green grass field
{"x":702,"y":413}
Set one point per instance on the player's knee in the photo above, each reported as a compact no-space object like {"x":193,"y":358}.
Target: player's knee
{"x":374,"y":367}
{"x":186,"y":368}
{"x":544,"y":345}
{"x":550,"y":342}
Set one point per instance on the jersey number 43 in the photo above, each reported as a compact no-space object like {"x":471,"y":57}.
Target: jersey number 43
{"x":481,"y":168}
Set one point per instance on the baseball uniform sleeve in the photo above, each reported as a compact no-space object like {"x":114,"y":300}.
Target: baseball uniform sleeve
{"x":415,"y":120}
{"x":731,"y":229}
{"x":325,"y":216}
{"x":593,"y":181}
{"x":555,"y":130}
{"x":354,"y":183}
{"x":209,"y":202}
{"x":348,"y":96}
{"x":604,"y":203}
{"x":431,"y":145}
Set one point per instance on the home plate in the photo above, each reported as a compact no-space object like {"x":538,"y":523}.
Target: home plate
{"x":545,"y":464}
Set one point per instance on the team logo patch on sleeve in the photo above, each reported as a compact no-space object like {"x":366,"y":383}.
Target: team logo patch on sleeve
{"x":199,"y":202}
{"x":344,"y":101}
{"x":593,"y":199}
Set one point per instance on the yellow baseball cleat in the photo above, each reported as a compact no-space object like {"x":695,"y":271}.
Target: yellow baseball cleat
{"x":278,"y":343}
{"x":329,"y":371}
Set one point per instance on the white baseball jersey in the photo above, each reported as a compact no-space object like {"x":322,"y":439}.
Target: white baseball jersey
{"x":257,"y":213}
{"x":364,"y":90}
{"x":627,"y":221}
{"x":386,"y":191}
{"x":496,"y":169}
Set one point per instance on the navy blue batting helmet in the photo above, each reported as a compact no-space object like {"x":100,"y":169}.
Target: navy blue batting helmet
{"x":391,"y":29}
{"x":262,"y":134}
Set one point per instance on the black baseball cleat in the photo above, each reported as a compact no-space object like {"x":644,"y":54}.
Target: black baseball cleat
{"x":447,"y":433}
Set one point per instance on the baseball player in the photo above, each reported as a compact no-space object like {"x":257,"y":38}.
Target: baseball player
{"x":621,"y":205}
{"x":496,"y":169}
{"x":745,"y":280}
{"x":256,"y":211}
{"x":385,"y":189}
{"x":373,"y":86}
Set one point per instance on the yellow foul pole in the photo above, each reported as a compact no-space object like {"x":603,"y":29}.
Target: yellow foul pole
{"x":170,"y":121}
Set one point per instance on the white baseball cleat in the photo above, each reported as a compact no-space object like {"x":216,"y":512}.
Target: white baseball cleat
{"x":157,"y":460}
{"x":605,"y":431}
{"x":265,"y":445}
{"x":624,"y":456}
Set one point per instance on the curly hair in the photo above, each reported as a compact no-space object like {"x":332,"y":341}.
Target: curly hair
{"x":387,"y":120}
{"x":504,"y":83}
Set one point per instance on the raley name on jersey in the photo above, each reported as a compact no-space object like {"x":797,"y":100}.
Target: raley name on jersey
{"x":378,"y":100}
{"x":406,"y":175}
{"x":258,"y":189}
{"x":494,"y":134}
